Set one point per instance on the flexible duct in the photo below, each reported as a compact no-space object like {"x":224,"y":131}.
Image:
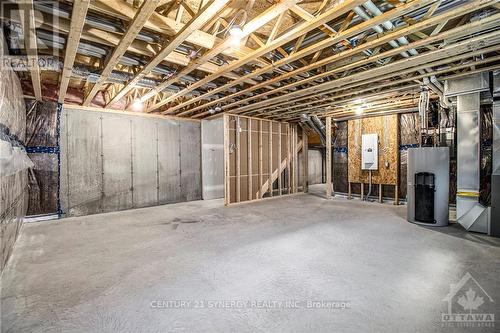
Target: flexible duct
{"x":307,"y":120}
{"x":378,"y":29}
{"x":370,"y":6}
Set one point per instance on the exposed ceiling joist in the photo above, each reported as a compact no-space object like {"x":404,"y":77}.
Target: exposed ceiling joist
{"x":387,"y":71}
{"x":320,"y":45}
{"x":30,"y":45}
{"x":211,"y":8}
{"x":252,"y":26}
{"x":142,"y":16}
{"x":291,"y":35}
{"x":476,"y":26}
{"x":80,"y":8}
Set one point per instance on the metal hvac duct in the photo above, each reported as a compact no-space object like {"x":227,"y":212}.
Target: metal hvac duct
{"x":470,"y":213}
{"x":495,"y":175}
{"x":307,"y":120}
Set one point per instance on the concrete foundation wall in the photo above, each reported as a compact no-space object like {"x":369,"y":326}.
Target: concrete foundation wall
{"x":112,"y":162}
{"x":314,"y":167}
{"x":213,"y":158}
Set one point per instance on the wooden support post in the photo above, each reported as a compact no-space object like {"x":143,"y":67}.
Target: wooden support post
{"x":294,"y":154}
{"x":227,"y":192}
{"x":396,"y":195}
{"x":398,"y":161}
{"x":305,"y":161}
{"x":270,"y":158}
{"x":328,"y":157}
{"x":238,"y":160}
{"x":260,"y":161}
{"x":288,"y":157}
{"x":362,"y":191}
{"x":280,"y":184}
{"x":249,"y":160}
{"x":380,"y":193}
{"x":349,"y":195}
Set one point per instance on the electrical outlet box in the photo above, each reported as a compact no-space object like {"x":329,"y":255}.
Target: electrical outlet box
{"x":369,"y":152}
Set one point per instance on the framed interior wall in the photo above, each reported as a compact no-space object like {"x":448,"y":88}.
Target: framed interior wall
{"x":262,"y":158}
{"x":386,"y":128}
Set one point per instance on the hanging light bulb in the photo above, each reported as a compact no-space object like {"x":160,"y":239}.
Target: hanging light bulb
{"x":236,"y":35}
{"x":137,"y":105}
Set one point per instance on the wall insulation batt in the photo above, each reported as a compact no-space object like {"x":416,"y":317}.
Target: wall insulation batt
{"x":13,"y":159}
{"x":114,"y":161}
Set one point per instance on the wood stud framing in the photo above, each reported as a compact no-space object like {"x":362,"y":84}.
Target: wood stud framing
{"x":140,"y":19}
{"x":237,"y":170}
{"x":328,"y":167}
{"x":210,"y":9}
{"x":327,"y":75}
{"x":78,"y":15}
{"x":30,"y":44}
{"x":266,"y":31}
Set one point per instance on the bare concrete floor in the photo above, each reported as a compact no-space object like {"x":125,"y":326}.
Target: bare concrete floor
{"x":120,"y":272}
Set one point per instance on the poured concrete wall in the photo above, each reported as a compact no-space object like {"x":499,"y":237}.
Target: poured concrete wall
{"x":212,"y":138}
{"x":315,"y":167}
{"x":112,"y":162}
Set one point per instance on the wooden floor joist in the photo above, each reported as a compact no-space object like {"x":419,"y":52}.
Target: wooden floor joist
{"x":210,"y":9}
{"x":292,"y":57}
{"x":30,"y":45}
{"x":78,"y":15}
{"x":141,"y":17}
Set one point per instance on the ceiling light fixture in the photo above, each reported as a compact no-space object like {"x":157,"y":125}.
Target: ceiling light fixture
{"x":137,"y":105}
{"x":236,"y":35}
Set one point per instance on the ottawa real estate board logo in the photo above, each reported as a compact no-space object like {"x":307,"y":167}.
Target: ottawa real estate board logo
{"x":469,"y":305}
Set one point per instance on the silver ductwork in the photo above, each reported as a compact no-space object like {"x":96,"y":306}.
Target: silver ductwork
{"x":307,"y":120}
{"x":470,"y":213}
{"x":495,"y":175}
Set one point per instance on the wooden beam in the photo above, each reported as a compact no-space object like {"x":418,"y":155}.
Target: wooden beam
{"x":280,"y":169}
{"x":276,"y":27}
{"x":305,"y":161}
{"x":159,"y":23}
{"x":227,"y":159}
{"x":30,"y":45}
{"x":328,"y":166}
{"x":211,"y":8}
{"x":291,"y":35}
{"x":238,"y":159}
{"x":333,"y":59}
{"x":249,"y":28}
{"x":270,"y":159}
{"x":141,"y":17}
{"x":249,"y":159}
{"x":78,"y":15}
{"x":288,"y":157}
{"x":261,"y":177}
{"x":393,"y":68}
{"x":371,"y":86}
